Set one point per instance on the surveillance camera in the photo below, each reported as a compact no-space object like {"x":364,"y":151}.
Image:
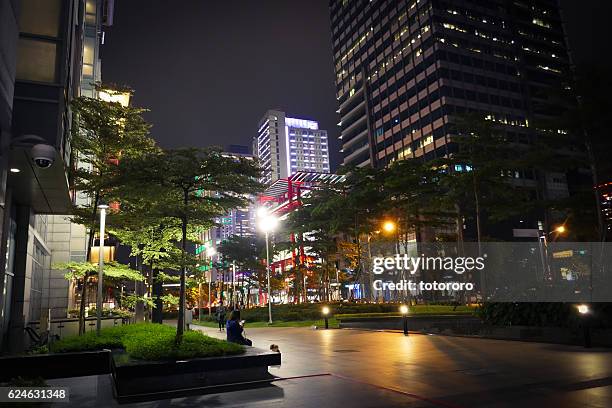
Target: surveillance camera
{"x":43,"y":155}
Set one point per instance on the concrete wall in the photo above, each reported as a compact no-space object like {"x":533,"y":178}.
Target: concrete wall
{"x":67,"y":242}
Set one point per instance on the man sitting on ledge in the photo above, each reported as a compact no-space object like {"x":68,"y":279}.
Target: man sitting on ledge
{"x":234,"y":330}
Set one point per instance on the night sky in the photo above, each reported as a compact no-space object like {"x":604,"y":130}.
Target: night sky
{"x":208,"y":70}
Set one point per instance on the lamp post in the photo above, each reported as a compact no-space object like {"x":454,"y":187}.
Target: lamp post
{"x":543,"y":239}
{"x":585,"y":311}
{"x":326,"y":316}
{"x":404,"y":312}
{"x":210,"y":252}
{"x":267,"y":223}
{"x":102,"y":206}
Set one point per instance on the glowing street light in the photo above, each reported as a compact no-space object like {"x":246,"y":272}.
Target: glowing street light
{"x":560,"y":229}
{"x":389,"y":226}
{"x":267,"y":223}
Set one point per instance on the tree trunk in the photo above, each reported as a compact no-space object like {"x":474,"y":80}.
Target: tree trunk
{"x":88,"y":255}
{"x":477,"y":211}
{"x":139,"y":288}
{"x":157,"y":293}
{"x":595,"y":177}
{"x":180,"y":326}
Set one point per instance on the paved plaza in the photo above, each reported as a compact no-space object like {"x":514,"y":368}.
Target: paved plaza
{"x":334,"y":368}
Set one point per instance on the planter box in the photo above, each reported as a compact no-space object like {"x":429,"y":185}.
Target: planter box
{"x":58,"y":365}
{"x":137,"y":380}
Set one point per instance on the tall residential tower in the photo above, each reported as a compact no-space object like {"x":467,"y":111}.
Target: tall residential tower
{"x":286,"y":145}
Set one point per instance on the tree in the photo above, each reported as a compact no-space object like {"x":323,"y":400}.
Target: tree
{"x":247,"y":253}
{"x":103,"y":133}
{"x":84,"y":271}
{"x":193,"y":186}
{"x":582,"y":120}
{"x":153,"y":242}
{"x":412,"y":192}
{"x":478,"y":174}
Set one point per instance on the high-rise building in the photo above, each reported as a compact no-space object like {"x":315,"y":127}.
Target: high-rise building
{"x":55,"y":50}
{"x":406,"y":68}
{"x":41,"y":56}
{"x":238,"y":221}
{"x":67,"y":241}
{"x":287,"y":145}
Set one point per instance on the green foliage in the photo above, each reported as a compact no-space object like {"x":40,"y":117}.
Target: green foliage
{"x":312,"y":311}
{"x":149,"y":342}
{"x":130,"y":301}
{"x":154,"y":241}
{"x":161,"y":346}
{"x":247,"y":252}
{"x":27,"y":382}
{"x":109,"y":338}
{"x":543,"y":314}
{"x":112,"y":270}
{"x":191,"y":186}
{"x":165,"y":278}
{"x":106,"y":312}
{"x":39,"y":350}
{"x":170,"y":301}
{"x":412,"y":194}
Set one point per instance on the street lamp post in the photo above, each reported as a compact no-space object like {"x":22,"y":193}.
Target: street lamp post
{"x":543,"y":239}
{"x":268,"y":277}
{"x":102,"y":207}
{"x":210,"y":251}
{"x":404,"y":312}
{"x":267,"y":223}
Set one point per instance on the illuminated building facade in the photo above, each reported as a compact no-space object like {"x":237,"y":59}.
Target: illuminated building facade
{"x":287,"y":145}
{"x":406,"y":68}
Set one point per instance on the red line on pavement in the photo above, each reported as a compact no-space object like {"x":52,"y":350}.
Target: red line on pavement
{"x":301,"y":376}
{"x":415,"y":396}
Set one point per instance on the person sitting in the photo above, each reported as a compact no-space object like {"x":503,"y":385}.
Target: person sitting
{"x":235,"y":329}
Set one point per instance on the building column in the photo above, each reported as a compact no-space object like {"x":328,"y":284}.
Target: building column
{"x":20,"y":302}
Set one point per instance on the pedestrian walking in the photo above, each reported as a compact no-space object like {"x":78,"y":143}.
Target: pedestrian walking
{"x":221,"y":316}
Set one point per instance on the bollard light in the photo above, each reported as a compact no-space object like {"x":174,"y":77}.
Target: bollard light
{"x":585,"y":311}
{"x":326,"y":316}
{"x":404,"y":312}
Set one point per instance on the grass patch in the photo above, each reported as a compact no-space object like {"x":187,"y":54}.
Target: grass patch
{"x":148,"y":341}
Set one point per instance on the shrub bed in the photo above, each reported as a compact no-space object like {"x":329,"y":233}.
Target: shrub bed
{"x":148,"y":341}
{"x":544,"y":314}
{"x":312,"y":311}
